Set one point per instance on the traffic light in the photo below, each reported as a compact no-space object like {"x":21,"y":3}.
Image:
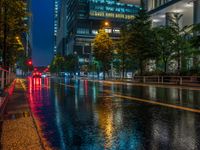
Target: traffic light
{"x":29,"y":62}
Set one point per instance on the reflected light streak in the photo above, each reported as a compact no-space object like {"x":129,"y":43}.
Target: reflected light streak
{"x":58,"y":122}
{"x":76,"y":97}
{"x":106,"y":124}
{"x":30,"y":84}
{"x":152,"y":92}
{"x":76,"y":93}
{"x":94,"y":90}
{"x":86,"y":87}
{"x":109,"y":131}
{"x":81,"y":88}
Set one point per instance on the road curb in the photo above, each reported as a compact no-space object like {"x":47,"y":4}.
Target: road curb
{"x":42,"y":144}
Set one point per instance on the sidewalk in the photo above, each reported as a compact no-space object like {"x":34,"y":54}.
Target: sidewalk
{"x":17,"y":128}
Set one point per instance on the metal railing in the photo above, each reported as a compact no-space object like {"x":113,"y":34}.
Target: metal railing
{"x":7,"y":76}
{"x":178,"y":80}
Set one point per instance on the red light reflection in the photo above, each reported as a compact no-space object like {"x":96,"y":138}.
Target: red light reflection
{"x":86,"y":87}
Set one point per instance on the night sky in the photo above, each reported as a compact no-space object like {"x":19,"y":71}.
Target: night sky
{"x":42,"y":31}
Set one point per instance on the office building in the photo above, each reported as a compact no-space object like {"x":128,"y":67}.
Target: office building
{"x":26,"y":37}
{"x":80,"y":20}
{"x":162,"y":10}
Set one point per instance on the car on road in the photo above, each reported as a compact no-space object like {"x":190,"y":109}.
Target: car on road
{"x":36,"y":74}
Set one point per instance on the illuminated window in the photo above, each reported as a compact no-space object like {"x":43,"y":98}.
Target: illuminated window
{"x":109,"y":8}
{"x":129,"y":17}
{"x":97,"y":13}
{"x":110,"y":15}
{"x":82,"y":31}
{"x":119,"y":15}
{"x":94,"y":32}
{"x":110,"y":2}
{"x":117,"y":31}
{"x":108,"y":30}
{"x":120,"y":9}
{"x":99,"y":8}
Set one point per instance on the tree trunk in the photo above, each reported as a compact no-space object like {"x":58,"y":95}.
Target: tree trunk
{"x":165,"y":67}
{"x":141,"y":67}
{"x":5,"y":36}
{"x":104,"y":74}
{"x":179,"y":65}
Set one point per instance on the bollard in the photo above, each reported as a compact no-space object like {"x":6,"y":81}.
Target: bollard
{"x":9,"y":75}
{"x":2,"y":79}
{"x":180,"y":81}
{"x":144,"y":79}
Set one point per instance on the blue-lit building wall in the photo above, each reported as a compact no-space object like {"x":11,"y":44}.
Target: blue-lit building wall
{"x":56,"y":17}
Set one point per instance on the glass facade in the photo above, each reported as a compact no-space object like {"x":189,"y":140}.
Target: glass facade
{"x":112,"y":9}
{"x":152,"y":4}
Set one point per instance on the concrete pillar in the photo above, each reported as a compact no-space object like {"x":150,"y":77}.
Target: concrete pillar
{"x":196,"y":11}
{"x":170,"y":17}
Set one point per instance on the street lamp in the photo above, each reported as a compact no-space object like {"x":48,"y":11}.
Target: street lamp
{"x":77,"y":63}
{"x":17,"y":38}
{"x":106,"y":23}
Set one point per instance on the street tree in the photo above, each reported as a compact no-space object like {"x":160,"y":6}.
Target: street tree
{"x":103,"y":50}
{"x":13,"y":15}
{"x":70,"y":64}
{"x":57,"y":64}
{"x":121,"y":56}
{"x":164,"y":38}
{"x":181,"y":43}
{"x":140,"y":41}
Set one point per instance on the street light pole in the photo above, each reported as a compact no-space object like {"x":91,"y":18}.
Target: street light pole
{"x":107,"y":24}
{"x":77,"y":63}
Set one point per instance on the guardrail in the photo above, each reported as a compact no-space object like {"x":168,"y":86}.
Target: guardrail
{"x":179,"y":80}
{"x":6,"y":77}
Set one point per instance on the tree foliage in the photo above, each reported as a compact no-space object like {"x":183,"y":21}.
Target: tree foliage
{"x":67,"y":63}
{"x":57,"y":64}
{"x":71,"y":63}
{"x":103,"y":49}
{"x":164,"y":44}
{"x":13,"y":14}
{"x":140,"y":40}
{"x":164,"y":38}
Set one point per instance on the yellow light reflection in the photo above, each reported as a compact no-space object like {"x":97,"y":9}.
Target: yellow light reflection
{"x":106,"y":124}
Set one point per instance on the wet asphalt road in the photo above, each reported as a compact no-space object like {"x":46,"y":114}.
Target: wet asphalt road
{"x":88,"y":115}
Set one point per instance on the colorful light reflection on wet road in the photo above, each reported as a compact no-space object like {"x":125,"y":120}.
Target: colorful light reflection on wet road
{"x":81,"y":115}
